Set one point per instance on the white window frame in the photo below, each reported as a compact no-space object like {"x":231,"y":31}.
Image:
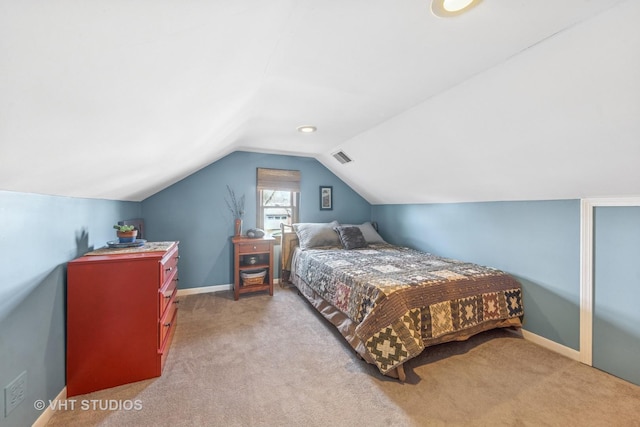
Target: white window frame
{"x":295,"y":211}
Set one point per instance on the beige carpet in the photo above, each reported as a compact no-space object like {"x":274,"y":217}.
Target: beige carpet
{"x":273,"y":361}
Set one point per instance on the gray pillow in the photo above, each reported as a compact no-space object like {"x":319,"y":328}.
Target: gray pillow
{"x":370,"y":234}
{"x":313,"y":235}
{"x":351,"y":237}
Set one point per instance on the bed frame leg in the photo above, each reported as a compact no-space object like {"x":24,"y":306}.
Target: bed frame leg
{"x":401,"y":375}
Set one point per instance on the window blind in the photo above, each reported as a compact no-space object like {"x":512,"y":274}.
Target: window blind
{"x":278,"y":179}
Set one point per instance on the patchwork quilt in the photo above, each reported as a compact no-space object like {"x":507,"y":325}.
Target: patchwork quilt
{"x":403,"y":300}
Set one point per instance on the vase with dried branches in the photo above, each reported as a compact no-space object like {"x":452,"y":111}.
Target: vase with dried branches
{"x":236,"y":206}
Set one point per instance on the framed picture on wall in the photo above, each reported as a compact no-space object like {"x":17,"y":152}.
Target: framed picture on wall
{"x":326,"y":198}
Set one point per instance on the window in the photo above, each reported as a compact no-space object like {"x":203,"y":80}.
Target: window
{"x":278,"y":198}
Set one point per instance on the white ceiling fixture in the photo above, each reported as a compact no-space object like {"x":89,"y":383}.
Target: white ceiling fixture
{"x":449,"y":8}
{"x":307,"y":129}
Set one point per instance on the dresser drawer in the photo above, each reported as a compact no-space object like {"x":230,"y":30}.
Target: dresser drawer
{"x":167,"y":293}
{"x":253,"y":248}
{"x":167,"y":322}
{"x":168,"y":266}
{"x":163,"y":351}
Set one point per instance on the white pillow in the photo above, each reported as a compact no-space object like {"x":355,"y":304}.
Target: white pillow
{"x":313,"y":235}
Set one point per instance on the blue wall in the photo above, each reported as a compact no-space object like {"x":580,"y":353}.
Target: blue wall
{"x":194,"y":212}
{"x":38,"y":235}
{"x":536,"y":241}
{"x":616,"y":337}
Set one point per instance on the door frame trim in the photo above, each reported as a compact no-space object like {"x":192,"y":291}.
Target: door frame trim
{"x":586,"y":268}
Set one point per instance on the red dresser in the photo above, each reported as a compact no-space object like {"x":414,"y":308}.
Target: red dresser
{"x":121,"y":315}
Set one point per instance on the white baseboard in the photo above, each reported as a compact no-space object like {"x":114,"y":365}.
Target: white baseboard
{"x":214,"y":288}
{"x":551,"y":345}
{"x":46,"y":415}
{"x":203,"y":290}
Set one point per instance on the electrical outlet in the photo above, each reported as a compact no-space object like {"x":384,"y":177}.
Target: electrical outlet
{"x":15,"y":392}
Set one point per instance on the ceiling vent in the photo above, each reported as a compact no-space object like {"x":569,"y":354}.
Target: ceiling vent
{"x":342,"y":157}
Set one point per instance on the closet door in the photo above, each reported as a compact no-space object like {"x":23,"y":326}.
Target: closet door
{"x":616,"y":297}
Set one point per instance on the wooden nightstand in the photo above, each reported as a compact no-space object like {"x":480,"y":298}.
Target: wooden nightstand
{"x":252,"y":254}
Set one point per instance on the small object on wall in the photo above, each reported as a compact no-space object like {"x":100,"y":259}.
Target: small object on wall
{"x":255,"y":233}
{"x":326,"y":198}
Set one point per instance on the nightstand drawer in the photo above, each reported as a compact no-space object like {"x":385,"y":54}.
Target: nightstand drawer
{"x":252,"y":248}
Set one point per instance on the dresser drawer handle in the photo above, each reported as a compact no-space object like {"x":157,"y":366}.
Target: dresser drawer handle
{"x":176,"y":302}
{"x":168,"y":269}
{"x":178,"y":257}
{"x":167,"y":324}
{"x":167,"y":296}
{"x":255,"y":247}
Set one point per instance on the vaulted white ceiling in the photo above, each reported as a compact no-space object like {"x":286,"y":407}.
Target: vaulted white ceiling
{"x":514,"y":100}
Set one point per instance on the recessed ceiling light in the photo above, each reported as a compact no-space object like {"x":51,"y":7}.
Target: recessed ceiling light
{"x":307,"y":129}
{"x":447,"y":8}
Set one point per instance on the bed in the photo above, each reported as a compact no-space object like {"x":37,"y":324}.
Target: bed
{"x":392,"y":302}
